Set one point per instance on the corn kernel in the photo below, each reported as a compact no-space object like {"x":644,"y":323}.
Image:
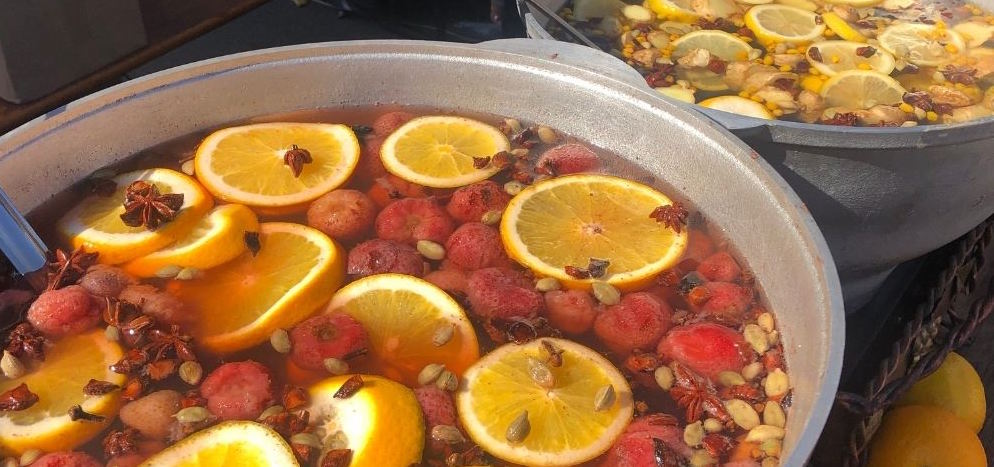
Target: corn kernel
{"x":906,"y":107}
{"x":829,"y":33}
{"x":626,"y":28}
{"x":784,"y":67}
{"x":931,"y":116}
{"x":744,"y":94}
{"x":768,"y":60}
{"x":812,"y":83}
{"x":940,"y":24}
{"x":777,"y":113}
{"x":951,"y":48}
{"x":960,"y":86}
{"x":793,"y":51}
{"x":756,"y":98}
{"x":772,"y":106}
{"x":836,"y":59}
{"x":814,"y":71}
{"x":864,"y":66}
{"x":823,"y":77}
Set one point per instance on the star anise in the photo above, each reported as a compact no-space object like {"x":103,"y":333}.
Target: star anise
{"x":673,"y":216}
{"x":661,"y":76}
{"x":842,"y":119}
{"x":525,"y":139}
{"x":518,"y":330}
{"x":697,"y":395}
{"x":919,"y":99}
{"x":959,"y":74}
{"x":288,"y":423}
{"x":18,"y":398}
{"x":68,"y":268}
{"x":295,"y":158}
{"x":121,"y":442}
{"x":26,"y":341}
{"x":145,"y":206}
{"x":744,"y":392}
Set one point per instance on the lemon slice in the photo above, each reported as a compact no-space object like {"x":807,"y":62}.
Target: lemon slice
{"x":720,"y":43}
{"x":565,"y":428}
{"x":233,"y":443}
{"x":738,"y":105}
{"x":921,"y":44}
{"x":755,"y":2}
{"x":838,"y":56}
{"x":855,"y":3}
{"x":218,"y":238}
{"x":861,"y":89}
{"x":679,"y":93}
{"x":240,"y":303}
{"x":381,"y":422}
{"x":782,"y":23}
{"x":245,"y":164}
{"x":598,"y":216}
{"x":59,"y":382}
{"x":439,"y":151}
{"x":842,"y":28}
{"x":802,"y":4}
{"x":676,"y":10}
{"x":974,"y":33}
{"x":401,"y":315}
{"x":95,"y":223}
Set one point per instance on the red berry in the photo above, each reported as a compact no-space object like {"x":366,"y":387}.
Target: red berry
{"x":727,"y":299}
{"x":699,"y":245}
{"x":60,"y":312}
{"x":325,"y":336}
{"x":502,"y":293}
{"x":637,"y":322}
{"x":474,"y":246}
{"x":571,"y":311}
{"x":389,"y":122}
{"x":345,"y":215}
{"x":381,"y":256}
{"x":389,"y":188}
{"x":161,"y":305}
{"x":451,"y":280}
{"x":469,"y":203}
{"x":412,"y":219}
{"x":719,"y":267}
{"x":370,"y":165}
{"x":567,"y":159}
{"x":238,"y":390}
{"x":706,"y":348}
{"x":438,"y":409}
{"x":66,"y":459}
{"x":636,"y":448}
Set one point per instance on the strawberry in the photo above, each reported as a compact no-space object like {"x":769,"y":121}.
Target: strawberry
{"x":719,"y":267}
{"x":727,"y":299}
{"x":637,"y":322}
{"x":706,"y":348}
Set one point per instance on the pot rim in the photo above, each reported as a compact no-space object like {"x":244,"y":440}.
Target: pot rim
{"x":803,"y":223}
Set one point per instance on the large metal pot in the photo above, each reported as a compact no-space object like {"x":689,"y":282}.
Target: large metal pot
{"x":881,"y":196}
{"x":735,"y":190}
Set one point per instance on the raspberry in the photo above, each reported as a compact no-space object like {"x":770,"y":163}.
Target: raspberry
{"x":409,"y":220}
{"x":636,"y":448}
{"x":474,"y":246}
{"x":381,"y":256}
{"x":706,"y":348}
{"x":325,"y":336}
{"x":66,"y":459}
{"x":727,"y":299}
{"x":345,"y":215}
{"x":389,"y":122}
{"x":502,"y":293}
{"x":469,"y":203}
{"x":438,"y":409}
{"x":567,"y":159}
{"x":638,"y":322}
{"x":238,"y":390}
{"x":451,"y":280}
{"x":60,"y":312}
{"x":571,"y":311}
{"x":389,"y":188}
{"x":719,"y":267}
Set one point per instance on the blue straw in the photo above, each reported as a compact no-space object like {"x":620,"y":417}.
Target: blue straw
{"x":18,"y":241}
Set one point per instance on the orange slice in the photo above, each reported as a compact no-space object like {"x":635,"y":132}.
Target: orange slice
{"x":235,"y":443}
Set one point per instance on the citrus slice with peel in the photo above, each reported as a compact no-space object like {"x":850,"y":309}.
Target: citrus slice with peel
{"x":841,"y":27}
{"x":921,"y":44}
{"x":381,"y":423}
{"x":598,"y":216}
{"x":738,"y":105}
{"x":861,"y":89}
{"x":565,"y":427}
{"x":58,"y":381}
{"x":241,"y":302}
{"x":855,"y":3}
{"x":218,"y":238}
{"x":839,"y":56}
{"x":241,"y":443}
{"x":781,"y":23}
{"x":247,"y":164}
{"x":441,"y":151}
{"x":802,"y":4}
{"x":679,"y":93}
{"x":95,"y":223}
{"x":974,"y":33}
{"x":676,"y":10}
{"x":719,"y":43}
{"x":401,"y":315}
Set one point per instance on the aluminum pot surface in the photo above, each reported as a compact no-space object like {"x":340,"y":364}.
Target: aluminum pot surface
{"x":881,"y":196}
{"x":736,"y":190}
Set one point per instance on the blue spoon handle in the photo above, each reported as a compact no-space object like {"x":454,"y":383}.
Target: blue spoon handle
{"x":18,"y":241}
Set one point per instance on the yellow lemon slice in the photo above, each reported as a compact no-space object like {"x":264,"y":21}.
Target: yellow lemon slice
{"x":245,"y":164}
{"x":439,"y":151}
{"x":401,"y":314}
{"x":597,"y":216}
{"x":839,"y":56}
{"x":782,"y":23}
{"x":720,"y":43}
{"x":738,"y":105}
{"x":921,"y":44}
{"x":381,"y":422}
{"x":95,"y":223}
{"x":802,"y":4}
{"x":861,"y":89}
{"x":841,"y":28}
{"x":855,"y":3}
{"x":679,"y":93}
{"x":218,"y":238}
{"x":676,"y":10}
{"x":240,"y":303}
{"x":59,"y":382}
{"x":974,"y":33}
{"x":234,"y":443}
{"x":565,"y":427}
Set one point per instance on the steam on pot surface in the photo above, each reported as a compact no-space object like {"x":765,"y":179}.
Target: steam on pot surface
{"x":845,"y":62}
{"x":377,"y":286}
